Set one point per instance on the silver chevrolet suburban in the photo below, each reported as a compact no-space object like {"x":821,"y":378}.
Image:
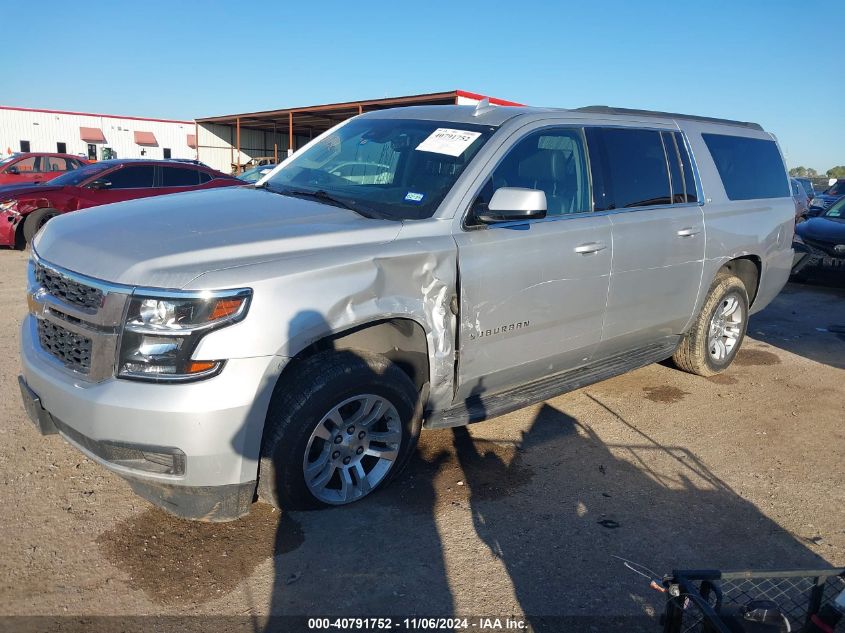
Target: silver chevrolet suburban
{"x":421,"y":267}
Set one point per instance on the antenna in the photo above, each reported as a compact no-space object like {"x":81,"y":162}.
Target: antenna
{"x":483,"y":106}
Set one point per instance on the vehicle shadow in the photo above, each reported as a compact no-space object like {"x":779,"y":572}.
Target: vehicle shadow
{"x":590,"y":501}
{"x":517,"y":515}
{"x":551,"y":509}
{"x":807,"y":319}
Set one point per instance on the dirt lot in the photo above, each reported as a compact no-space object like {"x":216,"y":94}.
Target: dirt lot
{"x":518,"y":515}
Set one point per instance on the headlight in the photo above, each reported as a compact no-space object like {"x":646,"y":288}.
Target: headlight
{"x":8,"y":205}
{"x":161,"y":333}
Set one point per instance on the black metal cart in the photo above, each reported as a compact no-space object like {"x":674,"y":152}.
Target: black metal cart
{"x":706,"y":601}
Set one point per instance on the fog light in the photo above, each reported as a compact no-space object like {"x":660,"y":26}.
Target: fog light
{"x":170,"y":463}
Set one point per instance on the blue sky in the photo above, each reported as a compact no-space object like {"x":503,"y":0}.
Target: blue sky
{"x":774,"y":62}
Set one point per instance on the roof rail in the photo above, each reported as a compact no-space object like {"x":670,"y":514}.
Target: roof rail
{"x":601,"y":109}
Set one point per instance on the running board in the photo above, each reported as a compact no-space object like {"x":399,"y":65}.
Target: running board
{"x":486,"y":406}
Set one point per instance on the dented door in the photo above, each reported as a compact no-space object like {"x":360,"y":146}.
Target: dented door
{"x":532,"y":299}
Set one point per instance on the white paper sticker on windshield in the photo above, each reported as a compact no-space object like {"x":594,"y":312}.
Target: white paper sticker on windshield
{"x":446,"y":141}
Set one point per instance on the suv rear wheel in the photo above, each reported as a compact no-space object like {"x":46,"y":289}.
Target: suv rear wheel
{"x":342,"y":427}
{"x":715,"y":338}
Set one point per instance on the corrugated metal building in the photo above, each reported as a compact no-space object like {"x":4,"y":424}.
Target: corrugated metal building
{"x":233,"y":140}
{"x":94,"y":135}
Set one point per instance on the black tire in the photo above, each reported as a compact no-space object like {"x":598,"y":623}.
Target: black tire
{"x":35,"y":220}
{"x":693,"y":354}
{"x":300,"y":402}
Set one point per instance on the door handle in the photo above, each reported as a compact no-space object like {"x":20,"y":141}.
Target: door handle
{"x":590,"y":247}
{"x":688,"y":231}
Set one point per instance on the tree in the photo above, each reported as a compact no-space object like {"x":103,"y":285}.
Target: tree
{"x":836,"y":172}
{"x":798,"y":172}
{"x":812,"y":173}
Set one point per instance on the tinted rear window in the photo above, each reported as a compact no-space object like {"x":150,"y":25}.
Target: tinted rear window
{"x":179,"y":177}
{"x":750,"y":168}
{"x":634,"y":166}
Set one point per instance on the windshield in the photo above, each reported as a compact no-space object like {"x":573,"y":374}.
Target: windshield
{"x":838,"y":189}
{"x":389,"y":168}
{"x":77,"y":176}
{"x":837,"y":210}
{"x":3,"y":161}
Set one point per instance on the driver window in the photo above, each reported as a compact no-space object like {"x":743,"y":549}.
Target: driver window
{"x":552,"y":160}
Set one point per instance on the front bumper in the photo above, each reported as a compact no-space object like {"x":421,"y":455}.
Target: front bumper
{"x":809,"y":255}
{"x":213,"y":426}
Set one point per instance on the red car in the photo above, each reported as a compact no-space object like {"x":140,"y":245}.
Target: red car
{"x":25,"y":209}
{"x":36,"y":167}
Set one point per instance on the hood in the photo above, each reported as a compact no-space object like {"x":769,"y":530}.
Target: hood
{"x":167,"y":241}
{"x":10,"y":191}
{"x":822,"y":229}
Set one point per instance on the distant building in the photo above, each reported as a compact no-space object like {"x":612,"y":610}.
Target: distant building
{"x":232,"y":141}
{"x":227,"y":142}
{"x":94,"y":136}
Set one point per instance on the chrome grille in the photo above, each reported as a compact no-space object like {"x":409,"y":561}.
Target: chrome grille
{"x":73,"y":350}
{"x":68,"y":290}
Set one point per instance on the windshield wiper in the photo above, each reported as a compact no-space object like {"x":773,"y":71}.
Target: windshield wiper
{"x":322,"y":196}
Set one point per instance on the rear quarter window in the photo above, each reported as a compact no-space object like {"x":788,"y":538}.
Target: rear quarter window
{"x":750,"y":168}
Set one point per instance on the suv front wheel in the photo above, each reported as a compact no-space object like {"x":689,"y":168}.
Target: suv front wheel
{"x":715,"y":337}
{"x":341,"y":427}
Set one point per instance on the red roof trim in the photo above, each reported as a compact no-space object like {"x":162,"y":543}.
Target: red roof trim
{"x":493,"y":100}
{"x":110,"y":116}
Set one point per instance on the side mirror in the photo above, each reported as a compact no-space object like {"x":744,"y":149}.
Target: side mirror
{"x":13,"y":170}
{"x":514,"y":203}
{"x":100,"y":184}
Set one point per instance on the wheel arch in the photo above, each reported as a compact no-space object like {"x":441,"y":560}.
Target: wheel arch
{"x":400,"y":339}
{"x":749,"y":270}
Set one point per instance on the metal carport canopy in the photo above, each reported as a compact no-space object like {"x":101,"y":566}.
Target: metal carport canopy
{"x":312,"y":120}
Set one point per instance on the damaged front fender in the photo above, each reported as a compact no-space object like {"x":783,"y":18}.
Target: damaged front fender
{"x":300,"y":301}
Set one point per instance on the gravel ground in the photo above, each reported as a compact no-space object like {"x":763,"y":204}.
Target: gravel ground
{"x":518,"y":515}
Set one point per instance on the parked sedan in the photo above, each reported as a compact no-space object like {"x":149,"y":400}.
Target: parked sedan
{"x":24,"y":210}
{"x":30,"y":167}
{"x":820,"y":241}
